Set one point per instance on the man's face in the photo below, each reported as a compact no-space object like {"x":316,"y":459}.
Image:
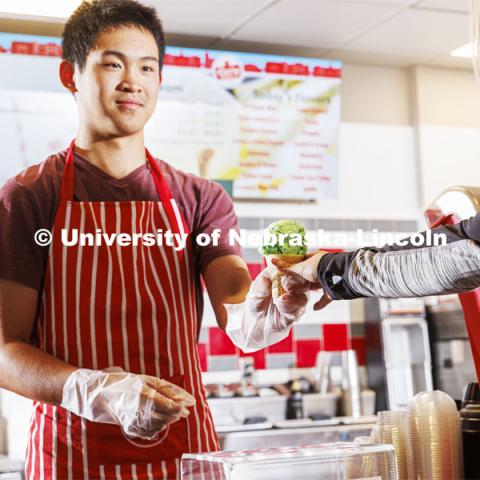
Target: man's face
{"x":117,"y":91}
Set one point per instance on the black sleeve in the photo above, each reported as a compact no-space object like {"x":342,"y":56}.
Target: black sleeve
{"x":364,"y":272}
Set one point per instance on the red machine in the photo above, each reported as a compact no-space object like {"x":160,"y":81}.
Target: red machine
{"x":452,"y":206}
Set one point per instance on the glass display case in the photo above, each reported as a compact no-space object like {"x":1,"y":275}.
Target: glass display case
{"x":329,"y":461}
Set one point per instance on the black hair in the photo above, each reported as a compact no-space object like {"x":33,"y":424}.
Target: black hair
{"x":92,"y":18}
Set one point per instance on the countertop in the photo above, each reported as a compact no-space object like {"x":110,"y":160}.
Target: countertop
{"x":9,"y":465}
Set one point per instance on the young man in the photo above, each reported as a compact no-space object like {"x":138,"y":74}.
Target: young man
{"x":103,"y":336}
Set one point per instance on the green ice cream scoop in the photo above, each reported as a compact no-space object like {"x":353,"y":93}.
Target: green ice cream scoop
{"x":284,"y":237}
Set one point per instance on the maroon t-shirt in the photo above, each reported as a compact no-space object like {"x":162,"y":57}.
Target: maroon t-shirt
{"x":29,"y":202}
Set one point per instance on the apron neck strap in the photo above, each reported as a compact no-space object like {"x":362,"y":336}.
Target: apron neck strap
{"x":67,"y":188}
{"x":161,"y":184}
{"x":66,"y":191}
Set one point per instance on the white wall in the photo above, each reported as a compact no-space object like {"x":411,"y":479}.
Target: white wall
{"x":450,"y":156}
{"x":17,"y":410}
{"x":448,"y":118}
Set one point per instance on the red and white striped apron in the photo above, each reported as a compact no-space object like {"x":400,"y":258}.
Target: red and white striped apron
{"x":127,"y":306}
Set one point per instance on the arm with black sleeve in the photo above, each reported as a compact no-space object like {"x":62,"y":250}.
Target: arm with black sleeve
{"x":408,"y":268}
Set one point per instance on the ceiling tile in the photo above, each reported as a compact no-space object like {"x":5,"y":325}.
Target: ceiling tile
{"x":189,"y":41}
{"x":314,"y":23}
{"x":268,"y":48}
{"x":416,"y":32}
{"x":398,"y":3}
{"x":204,"y":17}
{"x":404,"y":36}
{"x":453,"y":62}
{"x":378,"y":58}
{"x":452,"y":5}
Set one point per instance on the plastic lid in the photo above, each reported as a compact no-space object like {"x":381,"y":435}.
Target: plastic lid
{"x":323,"y":451}
{"x":434,"y":403}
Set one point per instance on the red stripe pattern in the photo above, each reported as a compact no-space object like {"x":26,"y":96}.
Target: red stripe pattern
{"x":132,"y":307}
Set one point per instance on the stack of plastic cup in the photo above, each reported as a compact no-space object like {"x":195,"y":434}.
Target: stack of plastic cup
{"x":391,"y":428}
{"x":434,"y":435}
{"x":371,"y":466}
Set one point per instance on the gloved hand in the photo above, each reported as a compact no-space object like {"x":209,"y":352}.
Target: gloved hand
{"x":141,"y":404}
{"x":261,"y":321}
{"x":305,"y":271}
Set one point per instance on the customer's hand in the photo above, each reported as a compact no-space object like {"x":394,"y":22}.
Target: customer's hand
{"x":141,"y":404}
{"x":305,"y":271}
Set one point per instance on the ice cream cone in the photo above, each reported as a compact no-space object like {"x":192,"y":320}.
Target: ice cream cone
{"x":276,"y":276}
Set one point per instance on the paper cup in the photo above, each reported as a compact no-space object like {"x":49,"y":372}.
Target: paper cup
{"x":276,"y":276}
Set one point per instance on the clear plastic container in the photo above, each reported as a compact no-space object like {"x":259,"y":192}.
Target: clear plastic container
{"x":329,"y":461}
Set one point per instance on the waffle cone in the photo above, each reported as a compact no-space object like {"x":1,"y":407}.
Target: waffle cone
{"x":276,"y":276}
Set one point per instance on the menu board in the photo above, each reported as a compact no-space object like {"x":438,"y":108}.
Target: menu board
{"x":265,"y":126}
{"x":268,"y":124}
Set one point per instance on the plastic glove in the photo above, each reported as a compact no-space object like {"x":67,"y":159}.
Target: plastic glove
{"x":306,"y":271}
{"x":262,"y":321}
{"x":141,"y":404}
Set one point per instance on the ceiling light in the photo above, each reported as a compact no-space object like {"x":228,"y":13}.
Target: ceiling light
{"x":464,"y":52}
{"x":36,"y":8}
